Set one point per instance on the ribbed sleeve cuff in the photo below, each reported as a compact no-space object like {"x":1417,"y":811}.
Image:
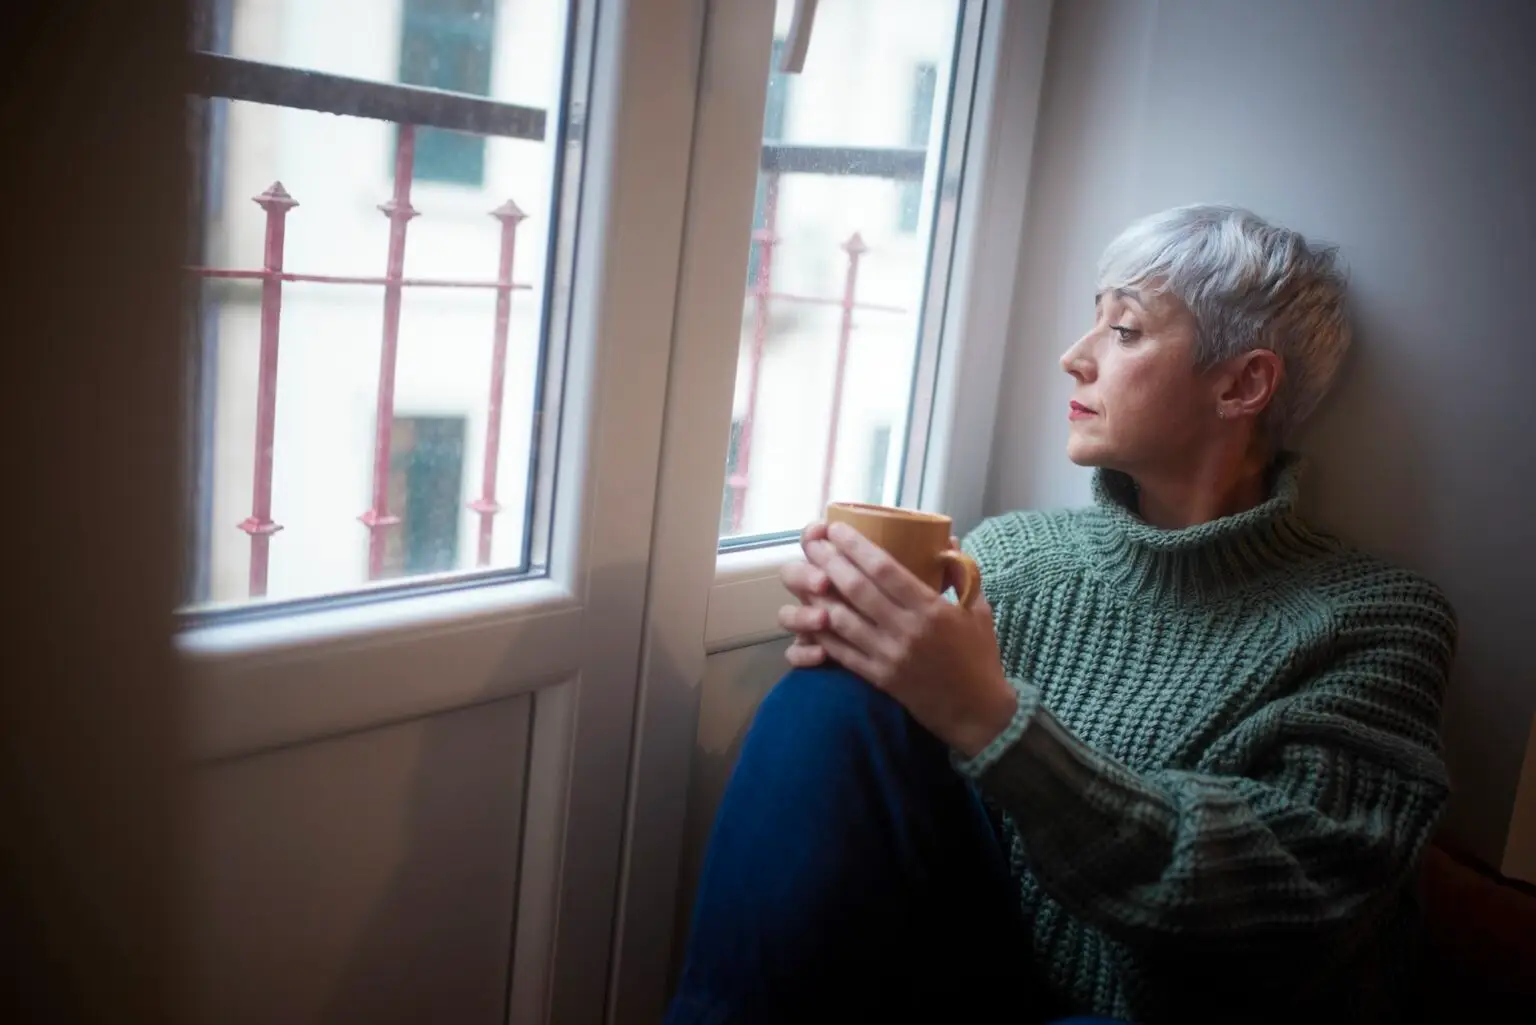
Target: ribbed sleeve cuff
{"x":1027,"y":696}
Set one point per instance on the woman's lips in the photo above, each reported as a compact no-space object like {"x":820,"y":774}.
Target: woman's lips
{"x":1078,"y":411}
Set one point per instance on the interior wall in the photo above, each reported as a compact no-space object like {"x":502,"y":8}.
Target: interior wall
{"x":1401,"y":130}
{"x":90,"y":397}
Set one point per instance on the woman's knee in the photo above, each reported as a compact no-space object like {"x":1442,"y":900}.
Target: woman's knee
{"x":825,"y":698}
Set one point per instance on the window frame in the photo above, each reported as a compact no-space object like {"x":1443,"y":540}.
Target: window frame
{"x":260,"y":683}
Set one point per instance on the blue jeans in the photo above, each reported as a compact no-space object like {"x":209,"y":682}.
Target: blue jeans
{"x":853,"y":875}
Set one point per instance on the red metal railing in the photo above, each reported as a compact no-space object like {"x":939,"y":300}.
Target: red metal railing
{"x":766,"y":239}
{"x":275,"y":204}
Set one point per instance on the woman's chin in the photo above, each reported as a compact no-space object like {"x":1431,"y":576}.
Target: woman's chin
{"x":1084,"y":452}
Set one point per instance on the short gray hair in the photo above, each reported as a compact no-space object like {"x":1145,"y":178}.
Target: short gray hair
{"x":1251,"y":285}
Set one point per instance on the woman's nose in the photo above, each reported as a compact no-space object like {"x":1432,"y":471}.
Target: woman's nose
{"x":1075,"y":360}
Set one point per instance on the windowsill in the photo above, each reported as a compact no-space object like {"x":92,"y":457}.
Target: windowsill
{"x":355,"y":621}
{"x":745,"y":599}
{"x":265,"y":683}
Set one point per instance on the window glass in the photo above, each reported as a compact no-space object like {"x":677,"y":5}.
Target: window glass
{"x":461,"y":46}
{"x":924,"y":81}
{"x":838,"y":266}
{"x":426,"y":479}
{"x":370,"y":319}
{"x":879,"y":460}
{"x":448,"y":44}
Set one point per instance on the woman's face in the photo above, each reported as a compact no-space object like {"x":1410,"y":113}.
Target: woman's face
{"x":1138,"y":405}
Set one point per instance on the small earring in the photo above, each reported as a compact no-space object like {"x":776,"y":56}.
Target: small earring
{"x":1221,"y":413}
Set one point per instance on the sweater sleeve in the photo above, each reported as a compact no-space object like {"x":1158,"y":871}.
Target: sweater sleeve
{"x":1306,"y":816}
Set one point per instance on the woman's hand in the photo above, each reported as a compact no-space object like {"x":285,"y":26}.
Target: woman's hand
{"x":810,"y":586}
{"x":864,"y":610}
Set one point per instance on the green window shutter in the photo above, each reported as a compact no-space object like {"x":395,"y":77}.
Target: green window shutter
{"x":446,"y":44}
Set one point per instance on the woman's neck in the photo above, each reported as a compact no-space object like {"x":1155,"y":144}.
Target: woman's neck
{"x":1197,"y":494}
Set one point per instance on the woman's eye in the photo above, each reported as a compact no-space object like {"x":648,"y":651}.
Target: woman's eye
{"x":1125,"y":334}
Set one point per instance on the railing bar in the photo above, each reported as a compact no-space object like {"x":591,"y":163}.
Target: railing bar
{"x":275,"y":204}
{"x":234,"y":78}
{"x":341,"y":279}
{"x":486,"y":506}
{"x":814,"y":300}
{"x":855,"y":248}
{"x":895,"y":163}
{"x":378,"y":518}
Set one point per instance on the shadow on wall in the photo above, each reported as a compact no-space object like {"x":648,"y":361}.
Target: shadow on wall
{"x":1391,"y":475}
{"x":1352,"y":477}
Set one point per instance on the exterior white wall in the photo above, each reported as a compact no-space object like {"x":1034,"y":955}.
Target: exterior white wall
{"x":1400,"y":129}
{"x":340,"y":169}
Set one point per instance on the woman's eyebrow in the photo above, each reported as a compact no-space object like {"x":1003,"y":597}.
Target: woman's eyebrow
{"x":1120,"y":293}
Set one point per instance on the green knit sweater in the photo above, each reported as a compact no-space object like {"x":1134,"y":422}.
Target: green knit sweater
{"x":1225,"y":759}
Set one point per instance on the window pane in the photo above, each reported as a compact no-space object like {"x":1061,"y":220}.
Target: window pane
{"x":466,"y":46}
{"x":370,"y":322}
{"x":840,"y":244}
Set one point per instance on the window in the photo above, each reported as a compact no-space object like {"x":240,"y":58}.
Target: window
{"x":832,"y":327}
{"x":330,"y":295}
{"x":924,"y":81}
{"x":446,"y":44}
{"x":775,"y":111}
{"x":734,"y":484}
{"x":879,"y":456}
{"x":426,"y":474}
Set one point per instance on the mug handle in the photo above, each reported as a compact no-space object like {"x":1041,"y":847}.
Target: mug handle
{"x":970,"y":583}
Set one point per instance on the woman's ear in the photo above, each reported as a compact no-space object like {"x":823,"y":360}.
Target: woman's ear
{"x":1250,"y":384}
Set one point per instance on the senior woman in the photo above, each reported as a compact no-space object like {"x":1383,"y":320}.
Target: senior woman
{"x":1179,"y":766}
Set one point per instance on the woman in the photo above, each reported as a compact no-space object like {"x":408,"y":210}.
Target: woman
{"x":1180,"y":764}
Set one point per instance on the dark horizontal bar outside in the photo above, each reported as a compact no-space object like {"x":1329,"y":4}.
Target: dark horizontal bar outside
{"x":845,"y":161}
{"x":218,"y":75}
{"x":237,"y":274}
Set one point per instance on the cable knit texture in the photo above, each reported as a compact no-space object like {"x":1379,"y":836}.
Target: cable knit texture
{"x":1226,"y":757}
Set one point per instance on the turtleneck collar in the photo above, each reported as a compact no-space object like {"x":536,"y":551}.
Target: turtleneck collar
{"x":1207,"y":559}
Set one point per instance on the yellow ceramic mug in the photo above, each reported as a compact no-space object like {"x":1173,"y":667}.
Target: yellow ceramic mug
{"x":917,"y":540}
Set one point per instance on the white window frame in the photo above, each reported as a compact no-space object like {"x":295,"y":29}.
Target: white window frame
{"x":260,"y":683}
{"x":701,"y":601}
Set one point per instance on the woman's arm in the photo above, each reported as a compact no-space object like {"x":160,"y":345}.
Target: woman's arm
{"x":1305,"y":815}
{"x":1316,"y":811}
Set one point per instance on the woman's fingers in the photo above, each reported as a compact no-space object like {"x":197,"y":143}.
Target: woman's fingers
{"x":866,"y":575}
{"x":847,"y":624}
{"x":805,"y":654}
{"x":803,"y":580}
{"x":850,"y":658}
{"x":802,"y":619}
